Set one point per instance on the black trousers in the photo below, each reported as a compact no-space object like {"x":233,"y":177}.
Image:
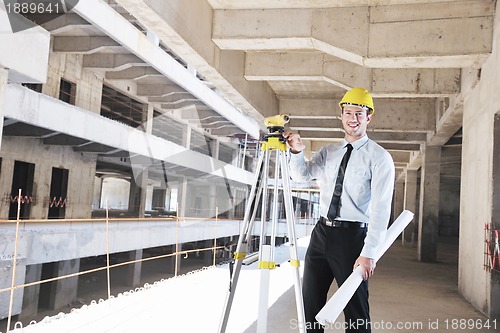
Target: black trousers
{"x":331,"y":255}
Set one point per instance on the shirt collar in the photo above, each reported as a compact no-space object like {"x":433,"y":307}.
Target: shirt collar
{"x":356,"y":144}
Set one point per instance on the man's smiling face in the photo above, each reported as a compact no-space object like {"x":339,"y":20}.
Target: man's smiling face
{"x":355,"y":121}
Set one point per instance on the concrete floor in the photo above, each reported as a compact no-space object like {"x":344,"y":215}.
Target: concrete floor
{"x":421,"y":296}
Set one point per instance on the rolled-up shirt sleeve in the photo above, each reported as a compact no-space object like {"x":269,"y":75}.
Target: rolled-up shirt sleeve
{"x":382,"y":186}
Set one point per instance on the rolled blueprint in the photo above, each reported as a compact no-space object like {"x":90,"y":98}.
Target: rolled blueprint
{"x":332,"y":309}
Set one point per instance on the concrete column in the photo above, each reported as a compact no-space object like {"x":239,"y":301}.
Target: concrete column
{"x":158,"y":198}
{"x":410,"y":203}
{"x":182,"y":198}
{"x":215,"y":149}
{"x":43,"y":177}
{"x":178,"y":259}
{"x":429,"y":204}
{"x":398,"y":199}
{"x":137,"y":197}
{"x":134,"y":270}
{"x":171,"y":260}
{"x":232,"y":202}
{"x":147,"y":118}
{"x":208,"y":255}
{"x":5,"y":186}
{"x":168,"y":198}
{"x":212,"y":201}
{"x":65,"y":291}
{"x":494,"y":292}
{"x":138,"y":182}
{"x":4,"y":75}
{"x":31,"y":294}
{"x":186,"y":137}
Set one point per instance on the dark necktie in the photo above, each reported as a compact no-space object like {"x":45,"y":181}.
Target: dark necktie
{"x":337,"y":192}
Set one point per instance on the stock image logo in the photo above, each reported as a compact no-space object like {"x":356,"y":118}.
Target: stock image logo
{"x":26,"y":14}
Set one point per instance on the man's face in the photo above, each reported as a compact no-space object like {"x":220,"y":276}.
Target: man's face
{"x":355,"y":120}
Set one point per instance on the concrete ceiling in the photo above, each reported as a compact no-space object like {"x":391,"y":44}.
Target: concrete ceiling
{"x":419,"y":59}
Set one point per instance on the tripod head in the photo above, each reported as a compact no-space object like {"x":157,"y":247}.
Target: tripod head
{"x":275,"y":126}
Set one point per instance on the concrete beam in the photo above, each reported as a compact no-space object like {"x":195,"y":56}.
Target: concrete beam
{"x":400,"y":156}
{"x":84,"y":44}
{"x":450,"y":121}
{"x":394,"y":148}
{"x":182,"y":104}
{"x":211,"y":122}
{"x":400,"y":146}
{"x":281,"y":4}
{"x":405,"y":115}
{"x":226,"y":131}
{"x":169,"y":97}
{"x":158,"y":90}
{"x":192,"y":113}
{"x":305,"y":66}
{"x":433,"y":30}
{"x":133,"y":73}
{"x":110,"y":62}
{"x":26,"y":106}
{"x":434,"y":38}
{"x":414,"y":138}
{"x":66,"y":23}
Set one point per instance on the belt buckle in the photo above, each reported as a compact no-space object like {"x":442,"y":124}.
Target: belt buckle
{"x":328,"y":223}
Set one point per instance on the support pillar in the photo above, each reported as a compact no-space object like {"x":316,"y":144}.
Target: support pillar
{"x":4,"y":75}
{"x":5,"y":185}
{"x":134,"y":270}
{"x":212,"y":202}
{"x":178,"y":259}
{"x":170,"y":261}
{"x":158,"y":199}
{"x":65,"y":291}
{"x":182,"y":198}
{"x":410,"y":203}
{"x":429,"y":204}
{"x":398,"y":200}
{"x":494,"y":292}
{"x":208,"y":255}
{"x":32,"y":293}
{"x":137,"y":196}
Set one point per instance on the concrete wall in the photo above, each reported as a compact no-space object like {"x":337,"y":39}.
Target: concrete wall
{"x":480,"y":107}
{"x":79,"y":202}
{"x":80,"y":177}
{"x":88,"y":84}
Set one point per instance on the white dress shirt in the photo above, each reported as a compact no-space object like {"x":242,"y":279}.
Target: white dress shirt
{"x":368,"y":185}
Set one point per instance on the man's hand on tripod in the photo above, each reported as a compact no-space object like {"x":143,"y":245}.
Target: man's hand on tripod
{"x":294,"y":142}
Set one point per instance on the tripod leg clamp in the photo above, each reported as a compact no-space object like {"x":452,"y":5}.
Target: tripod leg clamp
{"x":295,"y":263}
{"x":267,"y":265}
{"x":239,"y":255}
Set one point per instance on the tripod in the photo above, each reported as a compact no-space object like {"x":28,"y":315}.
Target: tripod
{"x":272,"y":142}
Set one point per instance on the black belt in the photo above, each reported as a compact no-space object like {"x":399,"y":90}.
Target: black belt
{"x":342,"y":224}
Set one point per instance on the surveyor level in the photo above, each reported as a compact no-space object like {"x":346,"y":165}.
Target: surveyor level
{"x":272,"y":142}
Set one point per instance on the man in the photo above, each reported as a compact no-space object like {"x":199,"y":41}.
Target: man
{"x":357,"y":181}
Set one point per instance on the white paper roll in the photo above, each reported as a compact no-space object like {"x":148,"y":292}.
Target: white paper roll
{"x":332,"y":309}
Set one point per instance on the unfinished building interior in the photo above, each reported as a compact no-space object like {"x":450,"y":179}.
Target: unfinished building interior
{"x":145,"y":110}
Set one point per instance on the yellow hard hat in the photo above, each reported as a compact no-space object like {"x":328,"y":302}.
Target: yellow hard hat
{"x":358,"y":97}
